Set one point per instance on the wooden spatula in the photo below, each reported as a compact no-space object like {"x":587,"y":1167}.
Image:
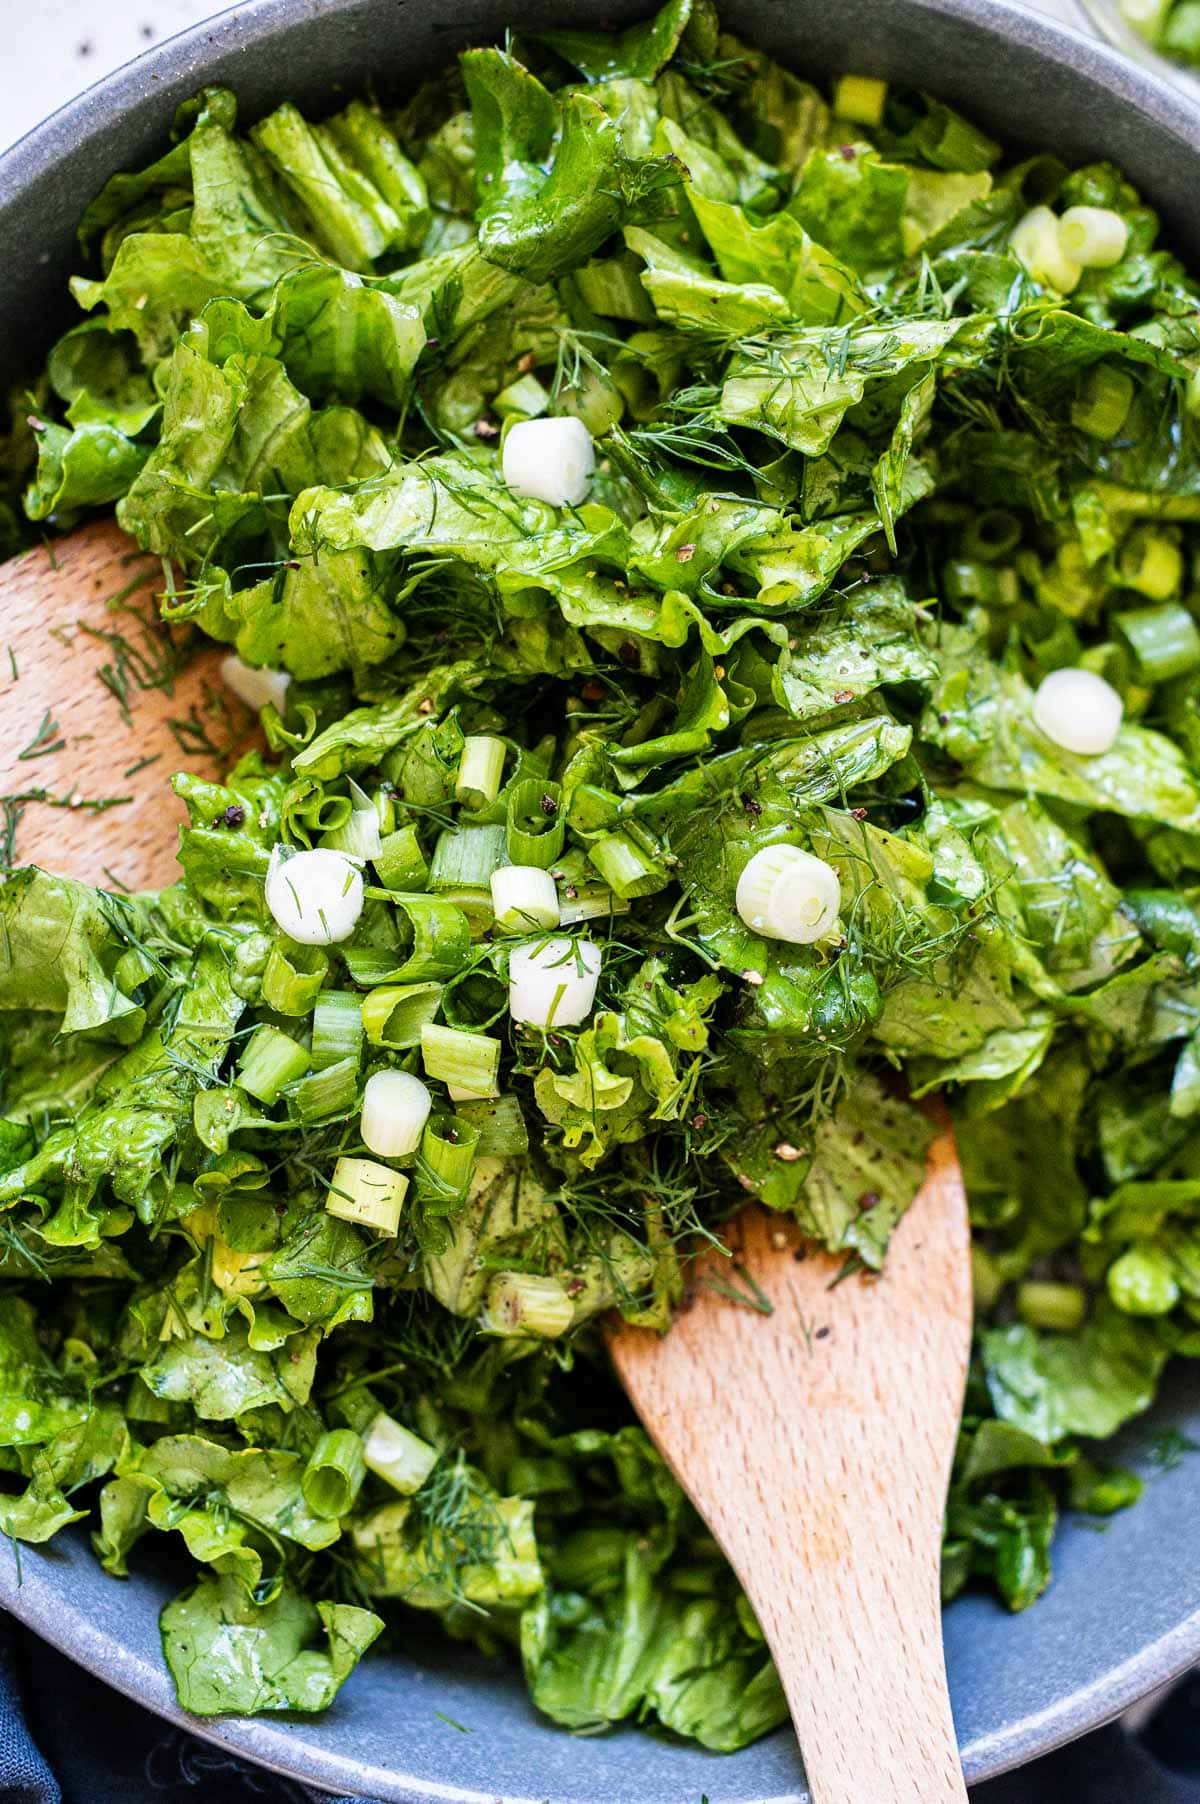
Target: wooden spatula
{"x":99,"y":704}
{"x":816,"y":1443}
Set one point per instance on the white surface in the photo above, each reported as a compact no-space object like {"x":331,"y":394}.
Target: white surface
{"x":66,"y":45}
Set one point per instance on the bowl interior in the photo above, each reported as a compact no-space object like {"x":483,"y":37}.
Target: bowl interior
{"x":1123,"y":1613}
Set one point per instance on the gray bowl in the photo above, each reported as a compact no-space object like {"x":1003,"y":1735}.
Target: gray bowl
{"x":1123,"y":1613}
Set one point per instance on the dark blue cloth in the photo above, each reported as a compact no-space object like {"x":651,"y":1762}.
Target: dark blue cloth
{"x":67,"y":1739}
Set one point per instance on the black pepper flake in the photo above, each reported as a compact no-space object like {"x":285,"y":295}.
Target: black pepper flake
{"x":859,"y":814}
{"x":548,"y":805}
{"x":753,"y":808}
{"x":823,"y":1333}
{"x":234,"y":815}
{"x":869,"y":1199}
{"x":848,"y":151}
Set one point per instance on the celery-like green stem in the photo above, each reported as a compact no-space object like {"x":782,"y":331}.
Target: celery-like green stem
{"x":394,"y":1014}
{"x":1165,"y":641}
{"x":466,"y":1061}
{"x":367,"y":1193}
{"x":293,"y":976}
{"x":325,"y":1093}
{"x":334,"y":1474}
{"x":522,"y":1303}
{"x":627,"y":869}
{"x":465,"y":857}
{"x":446,"y":1159}
{"x":402,"y":1459}
{"x":337,"y":1031}
{"x":270,"y":1061}
{"x":479,"y":770}
{"x":400,"y":863}
{"x":536,"y":826}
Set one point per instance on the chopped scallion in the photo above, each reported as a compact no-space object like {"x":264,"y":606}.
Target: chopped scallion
{"x":334,"y":1474}
{"x":371,"y":1195}
{"x":468,"y":1061}
{"x":402,"y":1459}
{"x":269,"y":1061}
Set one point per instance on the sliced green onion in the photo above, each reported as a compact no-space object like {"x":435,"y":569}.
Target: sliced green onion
{"x":860,"y":99}
{"x":466,"y":1061}
{"x":1079,"y":711}
{"x":395,"y":1109}
{"x":292,"y":977}
{"x":479,"y":770}
{"x":500,"y":1125}
{"x":394,"y":1015}
{"x":1102,"y":405}
{"x":448,"y":1150}
{"x":400,"y":863}
{"x":552,"y":983}
{"x":439,"y":941}
{"x":333,"y":1476}
{"x":270,"y":1060}
{"x":256,"y":685}
{"x":1151,"y":563}
{"x":316,"y":897}
{"x":465,"y":857}
{"x":337,"y":1031}
{"x":521,"y":1303}
{"x":359,"y":835}
{"x":325,"y":1093}
{"x":785,"y":893}
{"x":1096,"y":237}
{"x":1165,"y":641}
{"x":392,"y":1452}
{"x":525,"y":398}
{"x":992,"y":534}
{"x":536,"y":827}
{"x":1034,"y":242}
{"x":588,"y":902}
{"x":965,"y":580}
{"x":1058,"y":1308}
{"x":627,"y":869}
{"x":524,"y":898}
{"x":371,"y":1195}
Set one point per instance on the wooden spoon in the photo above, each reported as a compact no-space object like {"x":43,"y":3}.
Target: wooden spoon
{"x":815,"y":1441}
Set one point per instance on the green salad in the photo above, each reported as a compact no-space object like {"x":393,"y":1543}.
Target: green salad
{"x":718,"y":564}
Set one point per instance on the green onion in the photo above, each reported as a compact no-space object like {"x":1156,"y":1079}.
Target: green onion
{"x":626,"y":867}
{"x":270,"y":1060}
{"x":337,"y":1031}
{"x":523,"y":898}
{"x":394,"y":1014}
{"x":333,"y":1476}
{"x":292,"y":978}
{"x":1151,"y":563}
{"x":371,"y":1195}
{"x":1059,"y":1308}
{"x":402,"y":1459}
{"x":467,"y":1062}
{"x":992,"y":535}
{"x":325,"y":1093}
{"x":1102,"y":405}
{"x":860,"y":99}
{"x":439,"y":938}
{"x":612,"y":286}
{"x":526,"y":398}
{"x":400,"y":863}
{"x":536,"y":827}
{"x":1095,"y":237}
{"x":358,"y":835}
{"x":465,"y":857}
{"x":1165,"y":641}
{"x":449,"y":1147}
{"x":500,"y":1125}
{"x":479,"y":770}
{"x":995,"y":585}
{"x":395,"y":1109}
{"x":521,"y":1303}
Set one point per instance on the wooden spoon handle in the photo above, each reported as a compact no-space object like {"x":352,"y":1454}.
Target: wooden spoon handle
{"x":816,"y":1442}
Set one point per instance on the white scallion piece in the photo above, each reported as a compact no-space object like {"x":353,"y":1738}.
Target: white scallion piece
{"x":524,"y":898}
{"x":1079,"y":711}
{"x":402,"y":1459}
{"x":395,"y":1109}
{"x":1034,"y":242}
{"x":256,"y":687}
{"x":552,"y":983}
{"x":369,"y":1194}
{"x":785,"y":893}
{"x":359,"y":836}
{"x":549,"y":460}
{"x":1095,"y":237}
{"x":316,"y":897}
{"x":521,"y":1303}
